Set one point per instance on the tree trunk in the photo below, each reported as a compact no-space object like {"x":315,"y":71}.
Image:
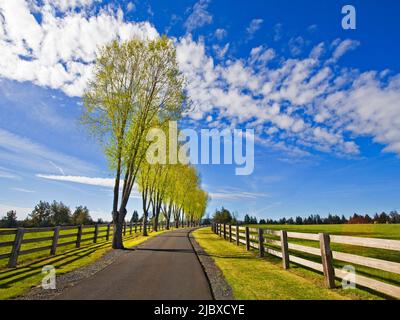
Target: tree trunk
{"x":117,"y":242}
{"x":145,"y":224}
{"x":119,"y":221}
{"x":155,"y":224}
{"x":167,"y":225}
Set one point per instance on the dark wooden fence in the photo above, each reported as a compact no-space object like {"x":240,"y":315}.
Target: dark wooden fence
{"x":276,"y":243}
{"x":77,"y":236}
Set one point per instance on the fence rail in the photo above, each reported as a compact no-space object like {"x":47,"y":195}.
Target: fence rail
{"x":100,"y":231}
{"x":255,"y":238}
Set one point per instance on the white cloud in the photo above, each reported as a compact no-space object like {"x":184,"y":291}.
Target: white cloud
{"x":342,"y":47}
{"x":300,"y":104}
{"x":130,"y":7}
{"x":65,"y":5}
{"x":277,"y":32}
{"x":220,"y":33}
{"x":23,"y":190}
{"x":92,"y":181}
{"x":59,"y":51}
{"x":235,"y":194}
{"x":295,"y":105}
{"x":296,"y":45}
{"x":253,"y":27}
{"x":57,"y":167}
{"x":199,"y":16}
{"x":220,"y":52}
{"x":102,"y":182}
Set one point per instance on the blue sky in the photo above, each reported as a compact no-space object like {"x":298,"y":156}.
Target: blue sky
{"x":324,"y":102}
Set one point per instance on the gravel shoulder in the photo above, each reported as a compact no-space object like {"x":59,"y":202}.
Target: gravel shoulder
{"x":219,"y":287}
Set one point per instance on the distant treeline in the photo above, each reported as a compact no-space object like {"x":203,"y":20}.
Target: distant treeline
{"x":392,"y":217}
{"x":225,"y":216}
{"x":47,"y":214}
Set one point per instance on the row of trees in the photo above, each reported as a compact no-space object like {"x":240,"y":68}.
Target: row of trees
{"x":137,"y":86}
{"x":224,"y":216}
{"x":47,"y":214}
{"x":392,"y":217}
{"x":172,"y":191}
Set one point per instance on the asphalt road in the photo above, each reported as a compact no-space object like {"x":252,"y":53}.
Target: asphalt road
{"x":163,"y":267}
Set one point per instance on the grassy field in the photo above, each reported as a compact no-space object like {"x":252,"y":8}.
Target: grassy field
{"x":384,"y":231}
{"x":45,"y":253}
{"x":14,"y":282}
{"x":252,"y":277}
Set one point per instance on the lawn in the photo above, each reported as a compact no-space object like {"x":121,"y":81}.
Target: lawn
{"x":45,"y":253}
{"x":384,"y":231}
{"x":252,"y":277}
{"x":15,"y":282}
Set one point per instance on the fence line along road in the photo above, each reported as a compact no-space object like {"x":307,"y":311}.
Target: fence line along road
{"x":79,"y":236}
{"x":263,"y":240}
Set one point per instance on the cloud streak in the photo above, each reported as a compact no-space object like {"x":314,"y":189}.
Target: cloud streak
{"x":25,"y":153}
{"x":235,"y":194}
{"x":199,"y":16}
{"x":101,"y":182}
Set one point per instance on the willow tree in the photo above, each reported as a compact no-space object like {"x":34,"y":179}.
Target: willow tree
{"x":135,"y":85}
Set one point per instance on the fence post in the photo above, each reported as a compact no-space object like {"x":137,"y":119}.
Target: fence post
{"x":130,"y":228}
{"x":135,"y":226}
{"x":285,"y":249}
{"x":96,"y":232}
{"x":12,"y":263}
{"x":261,"y":242}
{"x":237,"y":235}
{"x":247,"y":239}
{"x":55,"y":241}
{"x":79,"y":237}
{"x":108,"y":232}
{"x":327,"y":260}
{"x":224,"y":231}
{"x":230,"y":233}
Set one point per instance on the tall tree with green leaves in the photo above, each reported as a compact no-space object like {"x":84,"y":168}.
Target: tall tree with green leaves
{"x":136,"y":85}
{"x":81,"y":216}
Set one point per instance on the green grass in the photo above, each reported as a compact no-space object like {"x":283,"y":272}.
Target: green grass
{"x":257,"y":278}
{"x":384,"y":231}
{"x":15,"y":282}
{"x":45,"y":253}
